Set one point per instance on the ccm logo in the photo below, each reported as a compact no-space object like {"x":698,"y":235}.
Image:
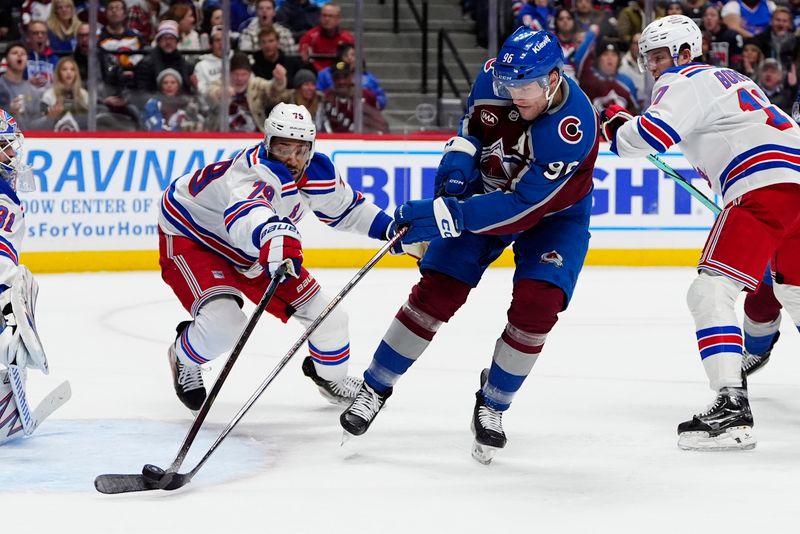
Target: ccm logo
{"x":488,"y":118}
{"x":446,"y":231}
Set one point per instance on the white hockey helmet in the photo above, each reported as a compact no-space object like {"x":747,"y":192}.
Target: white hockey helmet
{"x":290,"y":121}
{"x":671,"y":32}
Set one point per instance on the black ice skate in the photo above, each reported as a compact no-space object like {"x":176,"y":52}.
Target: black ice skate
{"x":188,"y":381}
{"x":341,"y":392}
{"x":726,"y":425}
{"x":753,"y":362}
{"x":355,"y":420}
{"x":487,"y":427}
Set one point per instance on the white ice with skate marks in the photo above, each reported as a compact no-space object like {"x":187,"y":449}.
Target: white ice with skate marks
{"x":592,"y":434}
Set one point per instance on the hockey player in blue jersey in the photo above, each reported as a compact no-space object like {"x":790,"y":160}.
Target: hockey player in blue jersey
{"x":519,"y":173}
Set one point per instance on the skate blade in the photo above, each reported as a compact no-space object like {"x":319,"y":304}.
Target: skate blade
{"x":346,"y":436}
{"x":734,"y":439}
{"x":483,"y":453}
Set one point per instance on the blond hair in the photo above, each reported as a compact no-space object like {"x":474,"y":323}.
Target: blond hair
{"x":55,"y":25}
{"x":60,"y":89}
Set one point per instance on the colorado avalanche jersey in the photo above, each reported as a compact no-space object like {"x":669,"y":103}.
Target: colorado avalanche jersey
{"x":224,"y":205}
{"x":12,"y":228}
{"x":529,"y":168}
{"x":725,"y":125}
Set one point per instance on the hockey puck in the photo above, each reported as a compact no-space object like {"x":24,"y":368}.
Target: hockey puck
{"x":152,"y":473}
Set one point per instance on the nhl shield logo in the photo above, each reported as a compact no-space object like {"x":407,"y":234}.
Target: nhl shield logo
{"x":513,"y":115}
{"x":552,"y":257}
{"x":488,"y":118}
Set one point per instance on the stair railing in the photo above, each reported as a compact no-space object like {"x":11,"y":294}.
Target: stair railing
{"x":422,"y":23}
{"x":442,"y":72}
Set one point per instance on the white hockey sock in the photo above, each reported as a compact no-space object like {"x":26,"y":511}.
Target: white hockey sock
{"x":329,"y":345}
{"x":215,"y":329}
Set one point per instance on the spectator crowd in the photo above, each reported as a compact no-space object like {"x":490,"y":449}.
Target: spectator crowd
{"x":160,"y":65}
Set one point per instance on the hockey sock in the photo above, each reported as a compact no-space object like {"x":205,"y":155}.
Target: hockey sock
{"x":514,"y":355}
{"x":758,"y":336}
{"x":329,"y":345}
{"x":212,"y":333}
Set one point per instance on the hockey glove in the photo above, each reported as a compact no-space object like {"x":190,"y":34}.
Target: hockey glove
{"x":415,"y":250}
{"x":429,"y":219}
{"x":612,"y":118}
{"x":280,"y":243}
{"x":458,"y":175}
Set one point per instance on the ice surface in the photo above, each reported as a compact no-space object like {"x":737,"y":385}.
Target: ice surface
{"x":592,"y":443}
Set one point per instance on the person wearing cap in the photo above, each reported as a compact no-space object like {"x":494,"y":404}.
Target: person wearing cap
{"x":780,"y":89}
{"x":270,"y":55}
{"x":338,"y":104}
{"x":604,"y":85}
{"x":347,"y":53}
{"x":169,"y":110}
{"x":165,"y":55}
{"x":305,"y":93}
{"x":250,"y":38}
{"x":249,"y":95}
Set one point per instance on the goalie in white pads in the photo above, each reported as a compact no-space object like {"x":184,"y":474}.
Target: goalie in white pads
{"x":225,"y":229}
{"x":20,"y":348}
{"x":749,"y":151}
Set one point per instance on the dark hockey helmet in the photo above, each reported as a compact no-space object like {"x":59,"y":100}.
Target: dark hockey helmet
{"x":527,"y":57}
{"x":12,"y":170}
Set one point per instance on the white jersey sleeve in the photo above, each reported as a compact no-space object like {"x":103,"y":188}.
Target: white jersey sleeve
{"x":12,"y":229}
{"x":337,"y":204}
{"x":724,"y":124}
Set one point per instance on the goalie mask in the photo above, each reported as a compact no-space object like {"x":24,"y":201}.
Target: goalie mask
{"x":18,"y":175}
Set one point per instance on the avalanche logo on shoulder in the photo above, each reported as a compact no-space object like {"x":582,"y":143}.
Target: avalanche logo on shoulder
{"x":569,"y":129}
{"x":488,"y":118}
{"x":552,"y":257}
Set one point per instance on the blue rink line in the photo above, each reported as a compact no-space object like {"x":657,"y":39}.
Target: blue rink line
{"x":67,"y":455}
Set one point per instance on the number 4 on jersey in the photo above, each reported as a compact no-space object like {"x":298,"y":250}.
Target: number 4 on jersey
{"x":752,"y":101}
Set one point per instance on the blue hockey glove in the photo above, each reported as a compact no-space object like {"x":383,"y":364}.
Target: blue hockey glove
{"x":415,"y":250}
{"x":431,"y":218}
{"x":458,"y":174}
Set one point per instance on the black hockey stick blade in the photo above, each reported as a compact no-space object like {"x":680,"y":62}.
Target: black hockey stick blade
{"x":114,"y":484}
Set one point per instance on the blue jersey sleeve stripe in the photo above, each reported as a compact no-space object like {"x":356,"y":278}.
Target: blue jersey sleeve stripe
{"x":381,"y":222}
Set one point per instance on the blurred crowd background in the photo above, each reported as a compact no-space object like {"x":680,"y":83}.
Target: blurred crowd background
{"x":159,"y":62}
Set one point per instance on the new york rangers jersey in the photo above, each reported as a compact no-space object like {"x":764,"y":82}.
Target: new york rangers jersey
{"x":529,"y":168}
{"x":725,"y":125}
{"x":224,"y":205}
{"x":12,"y":228}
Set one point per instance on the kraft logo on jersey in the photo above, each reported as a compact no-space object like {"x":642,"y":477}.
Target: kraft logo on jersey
{"x":552,"y":257}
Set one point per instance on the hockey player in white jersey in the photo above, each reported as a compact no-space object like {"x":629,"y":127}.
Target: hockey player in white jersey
{"x":225,"y":229}
{"x":20,"y":348}
{"x":749,"y":151}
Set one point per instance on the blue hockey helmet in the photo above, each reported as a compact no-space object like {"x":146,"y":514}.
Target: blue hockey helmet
{"x":12,"y":170}
{"x":528,"y":56}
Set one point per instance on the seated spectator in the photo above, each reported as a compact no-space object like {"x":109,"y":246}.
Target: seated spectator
{"x":779,"y":41}
{"x":575,"y":45}
{"x":81,"y":53}
{"x":250,"y":38}
{"x":347,"y":53}
{"x":209,"y":68}
{"x":780,"y":91}
{"x":183,"y":15}
{"x":323,"y":40}
{"x":165,"y":55}
{"x":338,"y":105}
{"x":143,"y":18}
{"x":586,"y":15}
{"x":62,"y":24}
{"x":305,"y":93}
{"x":212,"y":17}
{"x":604,"y":85}
{"x":748,"y":17}
{"x":65,"y":105}
{"x":299,"y":16}
{"x":249,"y":95}
{"x":752,"y":57}
{"x":23,"y":96}
{"x":169,"y":110}
{"x":9,"y":26}
{"x":241,"y":11}
{"x":726,"y":44}
{"x":674,"y":8}
{"x":116,"y":36}
{"x":695,"y":9}
{"x":629,"y":66}
{"x":270,"y":55}
{"x":41,"y":58}
{"x":536,"y":15}
{"x":631,"y":20}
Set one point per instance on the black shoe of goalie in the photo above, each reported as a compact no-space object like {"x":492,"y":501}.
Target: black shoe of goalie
{"x":355,"y":420}
{"x":727,"y":424}
{"x":341,"y":392}
{"x":188,"y":382}
{"x":754,"y":362}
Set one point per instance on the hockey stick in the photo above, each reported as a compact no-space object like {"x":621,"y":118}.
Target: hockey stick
{"x":153,"y":477}
{"x":684,"y":183}
{"x":53,"y":401}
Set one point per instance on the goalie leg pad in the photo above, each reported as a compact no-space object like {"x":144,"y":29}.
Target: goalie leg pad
{"x":10,"y":421}
{"x":24,"y":294}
